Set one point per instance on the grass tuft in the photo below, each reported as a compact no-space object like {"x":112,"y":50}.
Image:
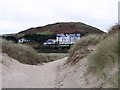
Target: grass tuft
{"x":105,"y":58}
{"x":23,"y":53}
{"x":114,"y":29}
{"x":81,"y":48}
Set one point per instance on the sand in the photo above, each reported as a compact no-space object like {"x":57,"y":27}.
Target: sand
{"x":17,"y":75}
{"x":55,"y":74}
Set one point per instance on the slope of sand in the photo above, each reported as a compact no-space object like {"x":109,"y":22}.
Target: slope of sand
{"x":17,"y":75}
{"x":77,"y":76}
{"x":55,"y":74}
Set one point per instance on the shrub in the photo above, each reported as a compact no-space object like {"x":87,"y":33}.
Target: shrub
{"x":23,"y":53}
{"x":114,"y":29}
{"x":80,"y":49}
{"x":12,"y":38}
{"x":40,"y":38}
{"x":105,"y":58}
{"x":52,"y":48}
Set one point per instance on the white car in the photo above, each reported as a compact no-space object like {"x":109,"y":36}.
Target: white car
{"x":49,"y":42}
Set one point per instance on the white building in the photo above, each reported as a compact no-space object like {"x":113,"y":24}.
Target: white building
{"x":67,"y":38}
{"x":22,"y":40}
{"x":63,"y":39}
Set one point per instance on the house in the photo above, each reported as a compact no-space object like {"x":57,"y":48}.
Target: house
{"x":67,"y":38}
{"x":63,"y":39}
{"x":22,"y":40}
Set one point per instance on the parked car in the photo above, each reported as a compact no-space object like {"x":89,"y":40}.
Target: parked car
{"x":50,"y":41}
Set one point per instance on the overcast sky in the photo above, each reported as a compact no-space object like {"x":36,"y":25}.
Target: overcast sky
{"x":18,"y":15}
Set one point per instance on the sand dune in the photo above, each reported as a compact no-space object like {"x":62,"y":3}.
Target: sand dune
{"x":17,"y":75}
{"x":55,"y":74}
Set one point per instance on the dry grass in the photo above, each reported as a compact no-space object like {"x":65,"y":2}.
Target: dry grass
{"x":81,"y":48}
{"x":23,"y":53}
{"x":114,"y":29}
{"x":105,"y":58}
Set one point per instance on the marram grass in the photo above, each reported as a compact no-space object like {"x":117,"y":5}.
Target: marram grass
{"x":23,"y":53}
{"x":80,"y":49}
{"x":105,"y":58}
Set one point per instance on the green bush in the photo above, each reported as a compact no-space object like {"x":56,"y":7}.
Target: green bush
{"x":52,"y":48}
{"x":12,"y":38}
{"x":81,"y":50}
{"x":105,"y":57}
{"x":40,"y":38}
{"x":23,"y":53}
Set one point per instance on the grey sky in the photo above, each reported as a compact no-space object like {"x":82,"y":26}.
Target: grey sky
{"x":18,"y":15}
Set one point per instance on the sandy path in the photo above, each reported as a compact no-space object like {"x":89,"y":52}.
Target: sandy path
{"x":17,"y":75}
{"x":50,"y":75}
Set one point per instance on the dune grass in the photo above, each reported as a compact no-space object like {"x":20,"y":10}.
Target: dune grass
{"x":105,"y":58}
{"x":23,"y":53}
{"x":114,"y":29}
{"x":81,"y":48}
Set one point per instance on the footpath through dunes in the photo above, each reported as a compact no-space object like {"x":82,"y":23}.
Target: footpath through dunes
{"x":17,"y":75}
{"x":55,"y":74}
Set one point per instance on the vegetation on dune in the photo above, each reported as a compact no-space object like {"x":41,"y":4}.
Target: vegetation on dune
{"x":105,"y":58}
{"x":114,"y":29}
{"x":27,"y":55}
{"x":82,"y":48}
{"x":22,"y":53}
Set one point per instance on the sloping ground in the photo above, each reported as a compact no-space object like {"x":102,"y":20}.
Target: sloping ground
{"x":78,"y":77}
{"x":101,"y":62}
{"x":17,"y":75}
{"x":55,"y":74}
{"x":62,"y":27}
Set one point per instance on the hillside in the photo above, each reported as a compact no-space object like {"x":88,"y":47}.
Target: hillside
{"x":62,"y":27}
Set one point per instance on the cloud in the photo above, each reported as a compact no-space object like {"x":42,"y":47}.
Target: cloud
{"x":23,"y":14}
